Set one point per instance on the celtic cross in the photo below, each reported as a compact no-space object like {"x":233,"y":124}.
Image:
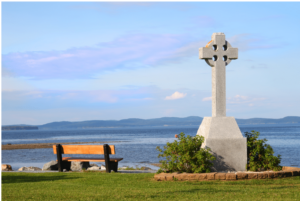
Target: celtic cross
{"x":218,"y":53}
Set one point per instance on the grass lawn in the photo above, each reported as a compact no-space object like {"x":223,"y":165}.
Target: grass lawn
{"x":142,"y":186}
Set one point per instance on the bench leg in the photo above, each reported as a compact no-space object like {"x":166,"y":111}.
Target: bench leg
{"x":109,"y":165}
{"x":113,"y":166}
{"x":59,"y":157}
{"x":66,"y":165}
{"x":106,"y":157}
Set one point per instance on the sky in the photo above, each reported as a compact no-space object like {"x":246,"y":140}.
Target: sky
{"x":78,"y":61}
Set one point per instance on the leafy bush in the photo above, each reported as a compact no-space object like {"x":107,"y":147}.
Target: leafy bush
{"x":186,"y":155}
{"x":259,"y":154}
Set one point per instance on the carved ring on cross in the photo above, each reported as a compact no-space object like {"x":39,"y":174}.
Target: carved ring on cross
{"x":218,"y":50}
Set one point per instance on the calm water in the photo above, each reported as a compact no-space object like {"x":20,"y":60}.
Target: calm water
{"x":137,"y":145}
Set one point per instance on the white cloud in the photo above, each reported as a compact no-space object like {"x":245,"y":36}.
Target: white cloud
{"x":127,"y":51}
{"x":239,"y":99}
{"x":247,"y":42}
{"x":206,"y":99}
{"x":176,"y":95}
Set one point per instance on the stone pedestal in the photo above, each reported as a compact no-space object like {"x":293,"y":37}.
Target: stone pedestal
{"x":223,"y":136}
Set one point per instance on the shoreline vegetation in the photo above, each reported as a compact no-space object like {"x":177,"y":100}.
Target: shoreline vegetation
{"x":45,"y":145}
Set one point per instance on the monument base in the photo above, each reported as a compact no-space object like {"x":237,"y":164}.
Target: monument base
{"x":223,"y":136}
{"x":231,"y":154}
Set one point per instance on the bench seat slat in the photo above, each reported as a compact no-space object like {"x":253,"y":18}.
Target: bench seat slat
{"x":84,"y":149}
{"x":90,"y":159}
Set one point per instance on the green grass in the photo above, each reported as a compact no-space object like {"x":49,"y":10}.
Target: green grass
{"x":117,"y":186}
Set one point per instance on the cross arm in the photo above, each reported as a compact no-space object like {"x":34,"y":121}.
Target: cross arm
{"x":232,"y":53}
{"x":206,"y":53}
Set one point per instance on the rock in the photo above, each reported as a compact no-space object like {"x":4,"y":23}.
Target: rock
{"x":29,"y":169}
{"x":21,"y":169}
{"x":123,"y":168}
{"x":6,"y":167}
{"x":34,"y":168}
{"x":145,"y":168}
{"x":52,"y":165}
{"x":94,"y":168}
{"x":103,"y":167}
{"x":93,"y":164}
{"x":78,"y":166}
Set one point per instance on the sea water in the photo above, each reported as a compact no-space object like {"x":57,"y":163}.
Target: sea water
{"x":137,"y":145}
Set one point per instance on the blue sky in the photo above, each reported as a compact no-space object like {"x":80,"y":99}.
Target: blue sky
{"x":76,"y":61}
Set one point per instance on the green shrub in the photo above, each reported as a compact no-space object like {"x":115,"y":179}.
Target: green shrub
{"x":186,"y":155}
{"x":259,"y":154}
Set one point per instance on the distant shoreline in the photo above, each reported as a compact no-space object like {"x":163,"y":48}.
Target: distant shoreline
{"x":156,"y":122}
{"x":159,"y":126}
{"x":46,"y":145}
{"x":20,"y":128}
{"x":149,"y":126}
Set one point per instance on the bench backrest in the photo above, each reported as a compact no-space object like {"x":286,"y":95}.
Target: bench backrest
{"x":84,"y":149}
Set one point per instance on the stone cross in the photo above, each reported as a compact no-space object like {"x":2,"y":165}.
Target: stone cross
{"x":222,"y":134}
{"x":218,"y":53}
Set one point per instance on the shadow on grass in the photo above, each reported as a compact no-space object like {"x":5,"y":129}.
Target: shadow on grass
{"x":19,"y":178}
{"x":283,"y":187}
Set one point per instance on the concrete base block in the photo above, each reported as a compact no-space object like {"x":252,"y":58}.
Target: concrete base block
{"x":219,"y":127}
{"x":223,"y":136}
{"x":231,"y":154}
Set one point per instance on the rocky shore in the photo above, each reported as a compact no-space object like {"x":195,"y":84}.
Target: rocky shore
{"x":70,"y":166}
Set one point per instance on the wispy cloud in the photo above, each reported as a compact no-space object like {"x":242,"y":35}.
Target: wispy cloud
{"x":176,"y":95}
{"x":206,"y":99}
{"x":110,"y":7}
{"x":240,"y":99}
{"x":82,"y":96}
{"x":129,"y":51}
{"x":115,"y":7}
{"x":204,"y":20}
{"x":247,"y":42}
{"x":6,"y":72}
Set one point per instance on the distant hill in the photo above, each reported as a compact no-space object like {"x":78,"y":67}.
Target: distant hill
{"x":285,"y":120}
{"x":22,"y":127}
{"x":134,"y":122}
{"x":164,"y":121}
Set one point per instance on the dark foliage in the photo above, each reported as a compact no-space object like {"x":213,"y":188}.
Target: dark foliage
{"x":259,"y":154}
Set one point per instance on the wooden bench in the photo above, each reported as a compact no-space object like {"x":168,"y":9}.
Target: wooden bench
{"x":110,"y":163}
